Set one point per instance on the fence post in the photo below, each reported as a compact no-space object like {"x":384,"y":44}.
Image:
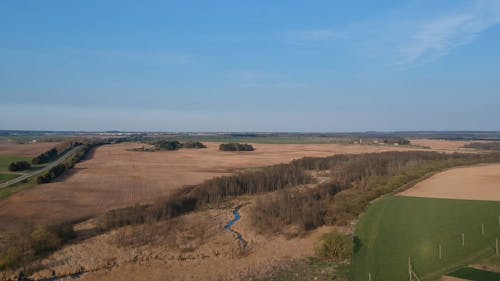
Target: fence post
{"x":440,"y":252}
{"x":463,"y":239}
{"x":369,"y":276}
{"x":409,"y":268}
{"x":482,"y":229}
{"x":496,"y":245}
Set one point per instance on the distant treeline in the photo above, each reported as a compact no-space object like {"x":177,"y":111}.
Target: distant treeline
{"x":484,"y":145}
{"x":171,"y":145}
{"x":356,"y":180}
{"x":52,"y":153}
{"x":45,"y":157}
{"x":19,"y":166}
{"x":399,"y":141}
{"x":234,"y":146}
{"x":193,"y":144}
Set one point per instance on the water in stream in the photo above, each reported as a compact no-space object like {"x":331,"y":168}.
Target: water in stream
{"x":230,"y":224}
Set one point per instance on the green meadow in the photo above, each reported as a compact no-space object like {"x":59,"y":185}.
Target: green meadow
{"x":395,"y":228}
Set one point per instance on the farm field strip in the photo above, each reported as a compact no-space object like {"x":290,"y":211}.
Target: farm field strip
{"x":480,"y":182}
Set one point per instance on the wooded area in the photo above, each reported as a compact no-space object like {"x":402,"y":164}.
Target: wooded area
{"x":355,"y":181}
{"x":236,"y":147}
{"x":19,"y":166}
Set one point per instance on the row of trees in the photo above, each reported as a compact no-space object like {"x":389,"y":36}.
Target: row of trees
{"x":45,"y":157}
{"x":209,"y":193}
{"x":355,"y":181}
{"x":61,"y":148}
{"x":19,"y":166}
{"x":171,"y":145}
{"x":233,"y":146}
{"x":59,"y":169}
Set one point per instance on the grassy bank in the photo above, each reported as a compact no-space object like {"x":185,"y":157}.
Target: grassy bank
{"x":395,"y":228}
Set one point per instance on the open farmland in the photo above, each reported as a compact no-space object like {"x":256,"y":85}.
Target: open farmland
{"x":114,"y":176}
{"x":396,"y":228}
{"x":480,"y":182}
{"x":11,"y":151}
{"x":442,"y":145}
{"x":32,"y":149}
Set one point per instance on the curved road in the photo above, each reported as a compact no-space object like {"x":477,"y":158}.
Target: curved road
{"x":44,"y":169}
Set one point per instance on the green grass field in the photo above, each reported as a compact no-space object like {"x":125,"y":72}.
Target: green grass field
{"x":395,"y":228}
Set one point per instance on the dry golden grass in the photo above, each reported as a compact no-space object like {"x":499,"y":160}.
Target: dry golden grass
{"x":115,"y":177}
{"x":442,"y":145}
{"x":195,"y":248}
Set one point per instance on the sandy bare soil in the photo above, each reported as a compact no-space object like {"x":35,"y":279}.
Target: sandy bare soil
{"x":481,"y":182}
{"x":115,"y":177}
{"x":9,"y":148}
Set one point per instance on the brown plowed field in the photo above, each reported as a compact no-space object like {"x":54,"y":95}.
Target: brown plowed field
{"x":481,"y":182}
{"x":116,"y":177}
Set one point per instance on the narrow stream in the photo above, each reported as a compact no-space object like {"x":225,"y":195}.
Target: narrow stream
{"x":230,"y":224}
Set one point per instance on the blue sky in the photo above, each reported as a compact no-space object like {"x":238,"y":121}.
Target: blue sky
{"x":250,"y":65}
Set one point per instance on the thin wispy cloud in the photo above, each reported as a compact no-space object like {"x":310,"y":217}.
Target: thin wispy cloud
{"x":315,"y":34}
{"x":78,"y":55}
{"x":437,"y":37}
{"x":312,"y":36}
{"x":262,"y":80}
